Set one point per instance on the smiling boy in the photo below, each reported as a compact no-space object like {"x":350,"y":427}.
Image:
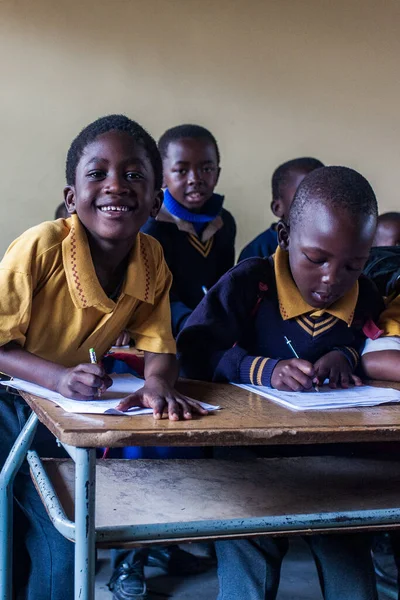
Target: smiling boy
{"x":72,"y":284}
{"x":197,"y":234}
{"x":311,"y":291}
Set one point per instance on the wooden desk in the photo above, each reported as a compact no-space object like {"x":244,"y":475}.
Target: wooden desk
{"x":245,"y":419}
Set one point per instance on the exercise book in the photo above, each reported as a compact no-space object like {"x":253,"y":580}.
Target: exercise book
{"x":123,"y":385}
{"x":327,"y":398}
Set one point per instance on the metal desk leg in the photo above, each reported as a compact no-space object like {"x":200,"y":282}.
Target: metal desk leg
{"x":7,"y":475}
{"x":85,"y":488}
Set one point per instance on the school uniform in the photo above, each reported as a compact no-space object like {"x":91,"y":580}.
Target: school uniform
{"x":389,"y":322}
{"x":198,"y":249}
{"x":54,"y":307}
{"x":238,"y":331}
{"x":390,"y":319}
{"x":263,"y":245}
{"x":237,"y":334}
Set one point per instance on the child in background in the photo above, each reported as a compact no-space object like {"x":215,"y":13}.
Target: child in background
{"x":75,"y":284}
{"x":311,"y":291}
{"x":388,"y":230}
{"x":61,"y":212}
{"x":285,"y":181}
{"x":197,"y":234}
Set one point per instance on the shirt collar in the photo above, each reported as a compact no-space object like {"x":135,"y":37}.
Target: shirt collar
{"x":292,"y":304}
{"x":83,"y":284}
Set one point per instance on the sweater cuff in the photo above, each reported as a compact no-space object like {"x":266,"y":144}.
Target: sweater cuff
{"x":351,"y":355}
{"x":257,"y":370}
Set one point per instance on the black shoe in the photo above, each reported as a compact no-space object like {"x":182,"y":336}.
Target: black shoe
{"x":176,"y":561}
{"x":128,"y":582}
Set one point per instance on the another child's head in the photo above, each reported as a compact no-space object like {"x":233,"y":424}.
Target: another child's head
{"x":114,"y":178}
{"x":331,"y":227}
{"x":191,"y":159}
{"x":388,"y":230}
{"x":61,"y":211}
{"x":285,"y":181}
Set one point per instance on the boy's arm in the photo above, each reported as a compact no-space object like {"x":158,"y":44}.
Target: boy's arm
{"x":209,"y":347}
{"x":383,"y":365}
{"x":161,"y":372}
{"x":80,"y":383}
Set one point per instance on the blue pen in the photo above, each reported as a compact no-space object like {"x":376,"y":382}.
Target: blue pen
{"x":289,"y":343}
{"x":204,"y":290}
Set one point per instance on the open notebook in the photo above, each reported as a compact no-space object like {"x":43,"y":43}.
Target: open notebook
{"x":327,"y":398}
{"x":123,"y":385}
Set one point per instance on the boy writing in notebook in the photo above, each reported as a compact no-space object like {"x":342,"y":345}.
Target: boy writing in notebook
{"x":312,"y":292}
{"x":285,"y":181}
{"x":197,"y":234}
{"x":75,"y":284}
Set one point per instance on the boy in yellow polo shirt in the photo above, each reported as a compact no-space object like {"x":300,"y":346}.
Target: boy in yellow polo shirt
{"x":73,"y":284}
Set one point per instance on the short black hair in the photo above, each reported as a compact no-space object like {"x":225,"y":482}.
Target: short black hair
{"x":339,"y":187}
{"x":185,"y":131}
{"x":104,"y":125}
{"x":282,"y":175}
{"x":389,"y":216}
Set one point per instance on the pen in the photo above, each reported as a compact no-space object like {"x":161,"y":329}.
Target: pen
{"x":93,"y":360}
{"x":289,"y":343}
{"x":204,"y":289}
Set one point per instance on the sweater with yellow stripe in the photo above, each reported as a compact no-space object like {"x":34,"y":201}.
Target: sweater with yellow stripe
{"x":237,"y":333}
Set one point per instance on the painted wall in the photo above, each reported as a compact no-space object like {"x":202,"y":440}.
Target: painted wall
{"x":272,"y":79}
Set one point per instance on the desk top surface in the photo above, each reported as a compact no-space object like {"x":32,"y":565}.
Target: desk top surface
{"x":245,"y":419}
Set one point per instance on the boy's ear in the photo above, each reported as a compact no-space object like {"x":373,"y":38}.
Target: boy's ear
{"x":277,"y":208}
{"x":69,"y":198}
{"x":158,"y":200}
{"x":283,"y":231}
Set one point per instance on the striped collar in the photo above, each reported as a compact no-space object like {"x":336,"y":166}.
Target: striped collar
{"x":292,"y":304}
{"x":83,"y":284}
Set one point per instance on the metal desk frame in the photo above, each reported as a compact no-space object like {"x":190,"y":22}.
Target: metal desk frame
{"x":85,"y":536}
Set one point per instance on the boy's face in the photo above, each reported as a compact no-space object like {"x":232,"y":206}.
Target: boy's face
{"x":388,"y":233}
{"x":281,"y":206}
{"x":114,"y":193}
{"x":191,"y":171}
{"x":327,"y":251}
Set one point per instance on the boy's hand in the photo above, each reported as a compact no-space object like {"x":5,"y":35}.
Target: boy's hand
{"x":158,"y":394}
{"x":293,"y":375}
{"x":335,"y":367}
{"x":123,"y":339}
{"x":83,"y":382}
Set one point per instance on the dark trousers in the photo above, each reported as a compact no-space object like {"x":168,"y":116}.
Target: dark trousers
{"x":43,"y":558}
{"x":250,"y":569}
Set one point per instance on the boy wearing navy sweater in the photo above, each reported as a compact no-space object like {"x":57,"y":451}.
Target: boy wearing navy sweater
{"x":197,"y":234}
{"x":285,"y":181}
{"x":311,"y":291}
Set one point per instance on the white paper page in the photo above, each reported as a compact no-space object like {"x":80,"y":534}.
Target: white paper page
{"x":328,"y":398}
{"x":123,"y":385}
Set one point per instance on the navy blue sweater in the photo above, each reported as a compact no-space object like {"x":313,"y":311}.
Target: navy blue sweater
{"x":263,"y":245}
{"x":193,"y":264}
{"x":237,"y":331}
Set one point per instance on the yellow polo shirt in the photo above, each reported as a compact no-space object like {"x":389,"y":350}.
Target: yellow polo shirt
{"x":52,"y":304}
{"x":390,"y":318}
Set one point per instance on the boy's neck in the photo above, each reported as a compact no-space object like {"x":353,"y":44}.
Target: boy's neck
{"x":109,"y":260}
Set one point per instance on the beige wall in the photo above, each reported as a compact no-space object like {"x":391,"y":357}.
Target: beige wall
{"x":272,"y":79}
